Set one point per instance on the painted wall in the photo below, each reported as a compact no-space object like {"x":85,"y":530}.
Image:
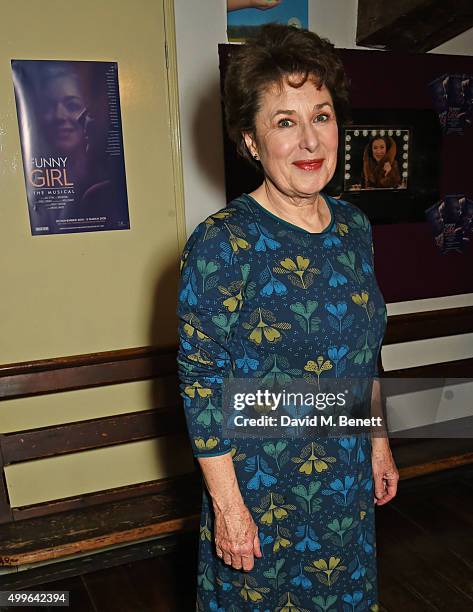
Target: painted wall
{"x":98,"y":291}
{"x":89,"y":292}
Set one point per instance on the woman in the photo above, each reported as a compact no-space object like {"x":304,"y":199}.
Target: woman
{"x":279,"y":285}
{"x":66,"y":123}
{"x":380,"y":168}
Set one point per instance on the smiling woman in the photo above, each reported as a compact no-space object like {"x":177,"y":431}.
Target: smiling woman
{"x":279,"y":286}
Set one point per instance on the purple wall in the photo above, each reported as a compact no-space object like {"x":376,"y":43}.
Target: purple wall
{"x":408,"y":265}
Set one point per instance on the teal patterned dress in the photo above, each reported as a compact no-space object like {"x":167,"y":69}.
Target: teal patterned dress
{"x":260,"y":297}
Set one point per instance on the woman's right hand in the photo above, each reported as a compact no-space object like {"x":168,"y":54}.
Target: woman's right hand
{"x":236,"y":537}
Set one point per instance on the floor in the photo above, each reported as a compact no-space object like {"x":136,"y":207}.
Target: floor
{"x":425,"y":558}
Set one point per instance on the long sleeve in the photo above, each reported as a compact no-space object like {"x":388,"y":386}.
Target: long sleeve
{"x":209,"y":301}
{"x":378,"y":357}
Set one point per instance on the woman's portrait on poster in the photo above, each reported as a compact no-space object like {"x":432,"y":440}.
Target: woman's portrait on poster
{"x":376,"y":159}
{"x":72,"y":149}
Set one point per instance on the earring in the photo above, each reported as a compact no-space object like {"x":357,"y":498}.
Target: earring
{"x":255,"y":156}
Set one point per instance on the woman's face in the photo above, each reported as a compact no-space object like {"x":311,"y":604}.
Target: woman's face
{"x":378,"y":148}
{"x":296,"y":138}
{"x":63,"y":113}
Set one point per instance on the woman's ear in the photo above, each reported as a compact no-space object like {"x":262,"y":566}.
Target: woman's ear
{"x":251,"y":144}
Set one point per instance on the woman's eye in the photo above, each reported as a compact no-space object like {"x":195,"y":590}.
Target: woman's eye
{"x":285,"y":123}
{"x":74,"y":107}
{"x":322,"y":118}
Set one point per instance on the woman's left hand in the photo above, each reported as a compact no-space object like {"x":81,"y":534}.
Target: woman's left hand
{"x":385,"y":472}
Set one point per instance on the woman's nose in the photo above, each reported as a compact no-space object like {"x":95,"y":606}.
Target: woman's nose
{"x":60,"y":112}
{"x":308,"y":137}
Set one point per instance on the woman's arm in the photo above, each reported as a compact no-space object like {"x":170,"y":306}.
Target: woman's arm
{"x":385,"y":472}
{"x":204,"y":365}
{"x":235,"y":532}
{"x":390,"y":176}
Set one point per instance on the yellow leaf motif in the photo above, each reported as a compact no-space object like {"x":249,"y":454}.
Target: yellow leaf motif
{"x":271,"y":334}
{"x":250,"y":590}
{"x":267,"y":518}
{"x":233,"y":302}
{"x":332,"y":567}
{"x":356,"y":297}
{"x":238,"y":243}
{"x":273,"y":508}
{"x":199,"y":358}
{"x":224,"y":214}
{"x":289,"y":606}
{"x":342,"y":229}
{"x":302,"y":262}
{"x":201,"y":444}
{"x":315,"y":459}
{"x":288,"y":264}
{"x":320,"y":366}
{"x":310,"y":366}
{"x":280,"y":541}
{"x":256,"y":335}
{"x":360,"y":300}
{"x":261,"y":329}
{"x":201,"y":391}
{"x":190,"y":329}
{"x":299,"y":272}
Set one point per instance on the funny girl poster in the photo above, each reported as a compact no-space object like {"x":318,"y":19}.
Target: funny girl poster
{"x":71,"y":140}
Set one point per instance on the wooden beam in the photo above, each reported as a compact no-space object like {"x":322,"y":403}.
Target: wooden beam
{"x":173,"y":509}
{"x":411,"y":25}
{"x":429,"y":324}
{"x":5,"y":509}
{"x":102,"y":432}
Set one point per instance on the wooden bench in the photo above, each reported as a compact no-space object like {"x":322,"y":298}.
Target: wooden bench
{"x":147,"y":517}
{"x":72,"y":536}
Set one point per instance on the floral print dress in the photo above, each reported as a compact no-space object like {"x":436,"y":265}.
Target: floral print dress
{"x":260,"y":297}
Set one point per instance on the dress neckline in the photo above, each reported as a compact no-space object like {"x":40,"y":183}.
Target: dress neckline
{"x":326,"y":230}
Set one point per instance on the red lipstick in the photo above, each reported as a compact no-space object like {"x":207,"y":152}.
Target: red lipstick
{"x":309,"y":164}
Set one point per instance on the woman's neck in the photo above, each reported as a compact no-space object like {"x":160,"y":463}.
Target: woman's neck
{"x":311,"y":213}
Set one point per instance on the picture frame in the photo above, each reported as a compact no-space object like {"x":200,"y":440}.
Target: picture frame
{"x":389,"y":197}
{"x":376,"y":157}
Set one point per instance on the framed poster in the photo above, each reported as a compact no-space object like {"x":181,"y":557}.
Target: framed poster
{"x":376,"y":157}
{"x":72,"y":146}
{"x":389,"y":163}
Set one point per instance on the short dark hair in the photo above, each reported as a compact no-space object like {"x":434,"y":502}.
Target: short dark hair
{"x":277,"y":52}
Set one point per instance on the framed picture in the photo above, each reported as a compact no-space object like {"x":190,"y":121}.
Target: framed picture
{"x":389,"y":163}
{"x":376,"y":157}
